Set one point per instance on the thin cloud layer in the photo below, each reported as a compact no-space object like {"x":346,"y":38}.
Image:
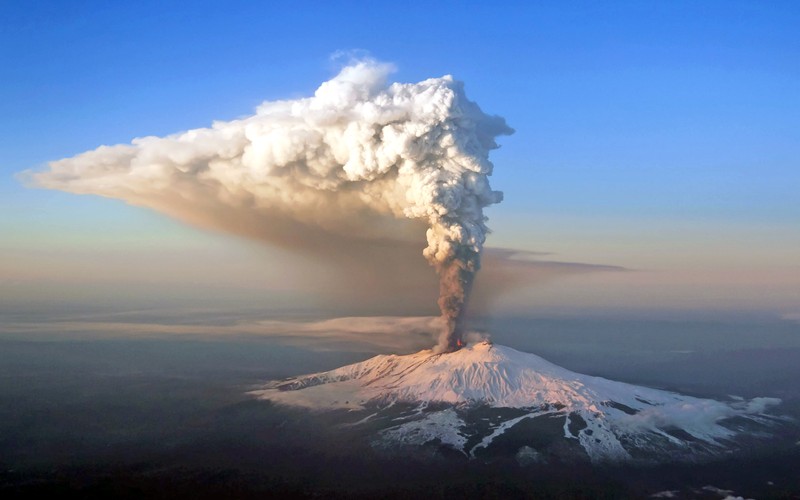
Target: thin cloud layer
{"x":371,"y":334}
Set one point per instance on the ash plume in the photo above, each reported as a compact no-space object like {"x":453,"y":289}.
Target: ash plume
{"x":362,"y":161}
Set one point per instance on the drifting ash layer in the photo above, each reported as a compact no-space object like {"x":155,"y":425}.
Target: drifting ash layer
{"x":484,"y":397}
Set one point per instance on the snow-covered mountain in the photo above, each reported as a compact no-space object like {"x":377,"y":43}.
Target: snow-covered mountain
{"x":484,"y":398}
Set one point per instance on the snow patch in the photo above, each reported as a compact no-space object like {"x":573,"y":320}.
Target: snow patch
{"x":443,"y":426}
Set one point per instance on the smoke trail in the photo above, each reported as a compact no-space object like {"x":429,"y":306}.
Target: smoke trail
{"x":361,"y":160}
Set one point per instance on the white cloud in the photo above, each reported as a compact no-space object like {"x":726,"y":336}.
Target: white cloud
{"x":360,"y":160}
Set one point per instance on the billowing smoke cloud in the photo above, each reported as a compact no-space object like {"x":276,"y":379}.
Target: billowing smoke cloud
{"x":361,"y":160}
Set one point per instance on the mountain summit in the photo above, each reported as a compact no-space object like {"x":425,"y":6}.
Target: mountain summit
{"x":485,"y":397}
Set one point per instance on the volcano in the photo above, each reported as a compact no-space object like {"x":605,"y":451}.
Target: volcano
{"x":485,"y":399}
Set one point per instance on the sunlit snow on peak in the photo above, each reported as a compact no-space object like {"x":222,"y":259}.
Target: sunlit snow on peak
{"x":611,"y":420}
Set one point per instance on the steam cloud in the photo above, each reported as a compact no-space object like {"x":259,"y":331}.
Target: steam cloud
{"x":357,"y":161}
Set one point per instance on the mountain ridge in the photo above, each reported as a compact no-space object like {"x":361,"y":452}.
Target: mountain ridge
{"x":610,"y":420}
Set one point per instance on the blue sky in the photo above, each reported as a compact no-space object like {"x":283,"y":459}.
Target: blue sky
{"x":651,"y":135}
